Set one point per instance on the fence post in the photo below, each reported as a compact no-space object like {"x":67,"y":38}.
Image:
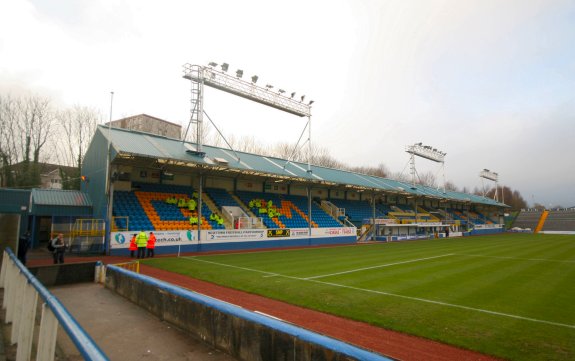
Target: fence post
{"x":18,"y":291}
{"x":10,"y":291}
{"x":27,"y":322}
{"x":5,"y":260}
{"x":47,"y":335}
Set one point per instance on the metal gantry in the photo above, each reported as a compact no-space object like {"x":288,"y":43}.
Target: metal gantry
{"x":426,"y":152}
{"x":492,"y":176}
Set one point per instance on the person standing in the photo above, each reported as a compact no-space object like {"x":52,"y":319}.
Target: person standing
{"x":23,"y":245}
{"x":151,"y":244}
{"x":59,"y":247}
{"x":142,"y":242}
{"x":133,"y":246}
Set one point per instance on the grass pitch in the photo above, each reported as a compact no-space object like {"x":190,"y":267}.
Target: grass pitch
{"x":511,"y":295}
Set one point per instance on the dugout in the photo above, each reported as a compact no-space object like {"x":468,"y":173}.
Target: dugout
{"x":45,"y":212}
{"x":14,"y":220}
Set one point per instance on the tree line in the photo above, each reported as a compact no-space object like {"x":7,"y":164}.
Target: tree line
{"x":34,"y":130}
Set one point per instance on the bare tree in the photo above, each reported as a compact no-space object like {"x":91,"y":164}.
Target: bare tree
{"x":76,"y":125}
{"x":450,"y":186}
{"x":512,"y":197}
{"x":8,"y":140}
{"x":379,"y":171}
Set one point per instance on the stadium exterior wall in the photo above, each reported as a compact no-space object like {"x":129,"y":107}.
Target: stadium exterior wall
{"x":241,"y":333}
{"x":94,"y":169}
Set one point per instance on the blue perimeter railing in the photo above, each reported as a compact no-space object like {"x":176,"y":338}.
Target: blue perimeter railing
{"x":293,"y":330}
{"x":21,"y":290}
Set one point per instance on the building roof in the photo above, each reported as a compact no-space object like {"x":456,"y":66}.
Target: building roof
{"x":45,"y":168}
{"x":57,"y":197}
{"x":169,"y":152}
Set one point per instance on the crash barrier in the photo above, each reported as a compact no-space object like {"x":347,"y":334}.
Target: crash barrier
{"x":133,"y":266}
{"x":241,"y":333}
{"x":21,"y":291}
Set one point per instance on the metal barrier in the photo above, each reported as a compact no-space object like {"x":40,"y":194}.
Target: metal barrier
{"x":133,"y":266}
{"x":21,"y":290}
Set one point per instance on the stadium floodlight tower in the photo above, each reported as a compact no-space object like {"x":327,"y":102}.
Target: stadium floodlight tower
{"x":429,"y":153}
{"x":200,"y":75}
{"x":492,"y":176}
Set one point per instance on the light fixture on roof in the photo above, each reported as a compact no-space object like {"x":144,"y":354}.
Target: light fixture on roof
{"x":269,"y":86}
{"x":212,"y":64}
{"x":239,"y":73}
{"x":255,"y":79}
{"x":281,"y":91}
{"x":310,"y":102}
{"x":293,"y":94}
{"x":225,"y":66}
{"x":302,"y":97}
{"x":427,"y":152}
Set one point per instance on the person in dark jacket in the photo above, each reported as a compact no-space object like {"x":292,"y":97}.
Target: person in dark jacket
{"x":23,"y":246}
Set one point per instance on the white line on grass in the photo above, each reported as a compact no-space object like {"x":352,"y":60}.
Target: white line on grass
{"x":516,"y":258}
{"x":391,"y":294}
{"x":378,"y":266}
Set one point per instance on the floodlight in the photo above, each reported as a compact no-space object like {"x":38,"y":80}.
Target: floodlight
{"x":302,"y":97}
{"x":234,"y":83}
{"x":212,"y":64}
{"x":310,"y":102}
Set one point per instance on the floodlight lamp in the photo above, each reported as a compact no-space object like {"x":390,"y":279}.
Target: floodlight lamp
{"x":225,"y":66}
{"x":302,"y":97}
{"x":255,"y":79}
{"x":239,"y":73}
{"x":293,"y":94}
{"x":281,"y":91}
{"x":310,"y":102}
{"x":419,"y":143}
{"x":269,"y":86}
{"x":212,"y":64}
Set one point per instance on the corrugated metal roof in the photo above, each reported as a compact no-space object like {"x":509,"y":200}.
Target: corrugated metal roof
{"x":56,"y":197}
{"x":133,"y":143}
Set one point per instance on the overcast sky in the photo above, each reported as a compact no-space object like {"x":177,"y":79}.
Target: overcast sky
{"x":490,"y":82}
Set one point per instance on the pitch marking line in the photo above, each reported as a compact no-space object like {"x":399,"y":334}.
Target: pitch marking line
{"x":392,"y":295}
{"x":449,"y":305}
{"x":374,"y":267}
{"x":515,"y":258}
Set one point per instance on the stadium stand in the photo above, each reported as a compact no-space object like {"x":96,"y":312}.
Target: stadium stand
{"x":357,"y":211}
{"x":146,"y":208}
{"x":528,"y":219}
{"x":292,"y":210}
{"x":560,"y":220}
